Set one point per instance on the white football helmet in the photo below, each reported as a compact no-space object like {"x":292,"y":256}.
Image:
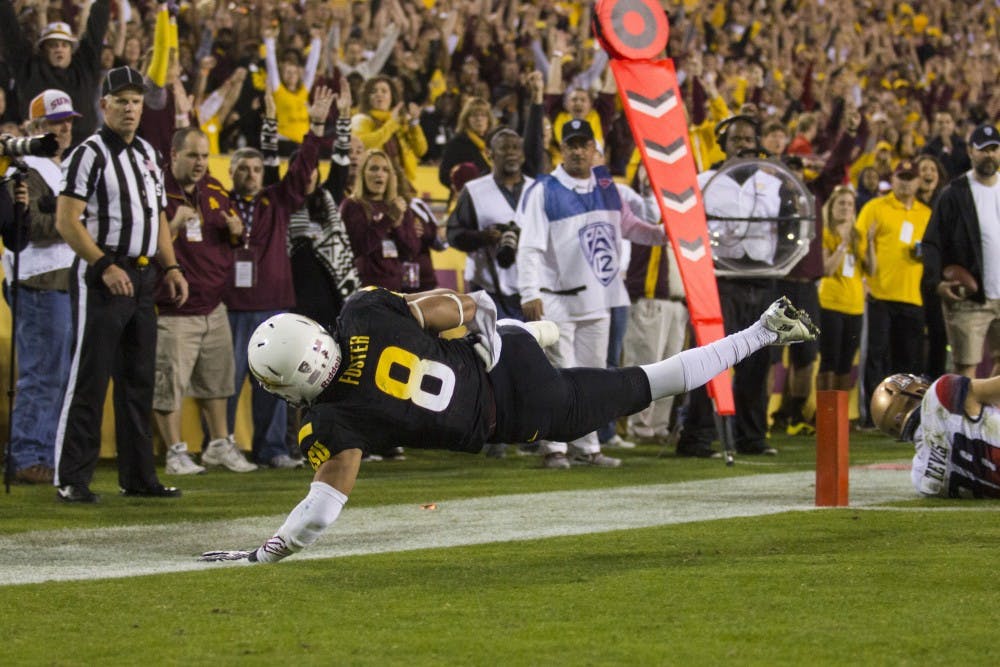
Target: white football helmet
{"x":294,"y":357}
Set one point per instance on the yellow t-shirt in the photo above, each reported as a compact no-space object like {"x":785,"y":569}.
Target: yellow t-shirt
{"x":844,"y":291}
{"x":292,"y":111}
{"x":898,"y":229}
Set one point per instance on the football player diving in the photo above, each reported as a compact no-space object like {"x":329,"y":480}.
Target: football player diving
{"x":954,"y":423}
{"x":385,"y":378}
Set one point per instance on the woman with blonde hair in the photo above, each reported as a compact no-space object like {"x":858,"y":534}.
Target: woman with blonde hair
{"x":380,"y":227}
{"x":386,"y":123}
{"x":475,"y":122}
{"x":841,"y":292}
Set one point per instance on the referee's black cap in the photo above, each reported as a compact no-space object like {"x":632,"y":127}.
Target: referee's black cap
{"x":120,"y":78}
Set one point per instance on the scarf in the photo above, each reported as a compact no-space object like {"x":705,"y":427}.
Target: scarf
{"x":480,"y":144}
{"x":391,"y":147}
{"x":324,"y":231}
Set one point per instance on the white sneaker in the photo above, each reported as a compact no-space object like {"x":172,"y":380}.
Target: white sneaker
{"x":791,"y":324}
{"x":596,"y":459}
{"x":179,"y":461}
{"x":224,"y":452}
{"x":617,"y":442}
{"x":555,"y":461}
{"x":285,"y":461}
{"x":544,"y":331}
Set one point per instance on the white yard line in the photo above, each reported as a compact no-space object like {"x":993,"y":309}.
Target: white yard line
{"x":59,"y":555}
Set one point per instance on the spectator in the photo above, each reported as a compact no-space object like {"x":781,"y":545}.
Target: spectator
{"x":56,"y":65}
{"x":114,"y":223}
{"x":387,"y":124}
{"x":948,"y":146}
{"x":962,"y":231}
{"x":380,"y":225}
{"x":469,"y":143}
{"x":568,"y":265}
{"x":658,"y":316}
{"x":43,"y":304}
{"x":291,"y":83}
{"x":841,"y":293}
{"x":194,"y":346}
{"x":323,"y":269}
{"x":893,"y":225}
{"x":932,"y":180}
{"x":262,"y":282}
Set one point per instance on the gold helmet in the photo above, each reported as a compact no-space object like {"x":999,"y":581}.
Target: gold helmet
{"x":895,"y":405}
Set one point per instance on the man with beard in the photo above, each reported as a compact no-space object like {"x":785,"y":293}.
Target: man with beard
{"x":964,"y":230}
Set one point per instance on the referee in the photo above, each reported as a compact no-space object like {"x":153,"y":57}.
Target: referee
{"x":110,"y":212}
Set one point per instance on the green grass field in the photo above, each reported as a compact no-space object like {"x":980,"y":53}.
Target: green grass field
{"x":891,"y":580}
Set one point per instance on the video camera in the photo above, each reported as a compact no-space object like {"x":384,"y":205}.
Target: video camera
{"x":45,"y":145}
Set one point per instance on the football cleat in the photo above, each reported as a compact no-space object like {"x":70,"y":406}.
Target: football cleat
{"x":791,"y":324}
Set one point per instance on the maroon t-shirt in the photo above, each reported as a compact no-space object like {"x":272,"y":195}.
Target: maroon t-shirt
{"x":205,"y":252}
{"x":265,"y":241}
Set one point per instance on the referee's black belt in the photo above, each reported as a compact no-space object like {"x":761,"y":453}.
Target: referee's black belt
{"x":573,"y":291}
{"x":141,"y":262}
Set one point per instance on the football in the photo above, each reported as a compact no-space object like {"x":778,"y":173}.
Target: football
{"x":966,"y":283}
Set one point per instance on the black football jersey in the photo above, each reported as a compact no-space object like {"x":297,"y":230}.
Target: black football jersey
{"x":397,"y":385}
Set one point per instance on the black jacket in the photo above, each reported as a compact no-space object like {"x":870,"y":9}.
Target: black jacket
{"x":956,"y":161}
{"x":953,"y":236}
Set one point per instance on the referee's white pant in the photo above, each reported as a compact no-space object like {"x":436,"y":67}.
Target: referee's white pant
{"x":656,"y":330}
{"x":581,"y":343}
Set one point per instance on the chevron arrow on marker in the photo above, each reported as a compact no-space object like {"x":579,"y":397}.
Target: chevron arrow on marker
{"x":669,"y":154}
{"x":652,"y":106}
{"x":682,"y":202}
{"x":692,"y":251}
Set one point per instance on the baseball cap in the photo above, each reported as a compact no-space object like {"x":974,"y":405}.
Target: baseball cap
{"x":906,"y":169}
{"x":575,"y":128}
{"x":57,"y":30}
{"x":983,"y":136}
{"x":120,"y":78}
{"x":51,"y":104}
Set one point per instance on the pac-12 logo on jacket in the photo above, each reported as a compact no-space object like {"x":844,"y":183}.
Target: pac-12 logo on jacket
{"x":600,"y":246}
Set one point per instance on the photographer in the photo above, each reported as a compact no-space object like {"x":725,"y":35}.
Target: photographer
{"x":43,"y":304}
{"x":482,"y":224}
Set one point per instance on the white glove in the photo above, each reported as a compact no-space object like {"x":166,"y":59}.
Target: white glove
{"x":218,"y":556}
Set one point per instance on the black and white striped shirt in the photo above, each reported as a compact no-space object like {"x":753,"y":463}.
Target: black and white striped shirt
{"x":123,"y":188}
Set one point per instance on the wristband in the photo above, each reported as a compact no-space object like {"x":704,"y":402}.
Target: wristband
{"x":101,"y":265}
{"x":173,"y":267}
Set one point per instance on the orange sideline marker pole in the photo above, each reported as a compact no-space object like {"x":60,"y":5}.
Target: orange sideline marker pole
{"x":832,"y":438}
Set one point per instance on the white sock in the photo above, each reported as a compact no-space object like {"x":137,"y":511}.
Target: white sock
{"x":693,"y":368}
{"x":305,"y":523}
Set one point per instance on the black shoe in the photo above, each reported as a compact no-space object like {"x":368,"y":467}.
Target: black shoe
{"x":158,"y":491}
{"x":759,"y":451}
{"x":699,"y":453}
{"x":76,"y":494}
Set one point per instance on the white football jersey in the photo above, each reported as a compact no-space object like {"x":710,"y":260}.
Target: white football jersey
{"x":957,"y":456}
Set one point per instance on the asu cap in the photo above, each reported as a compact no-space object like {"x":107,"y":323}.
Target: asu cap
{"x":51,"y":104}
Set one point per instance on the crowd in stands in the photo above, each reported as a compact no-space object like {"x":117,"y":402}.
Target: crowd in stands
{"x":430,"y":82}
